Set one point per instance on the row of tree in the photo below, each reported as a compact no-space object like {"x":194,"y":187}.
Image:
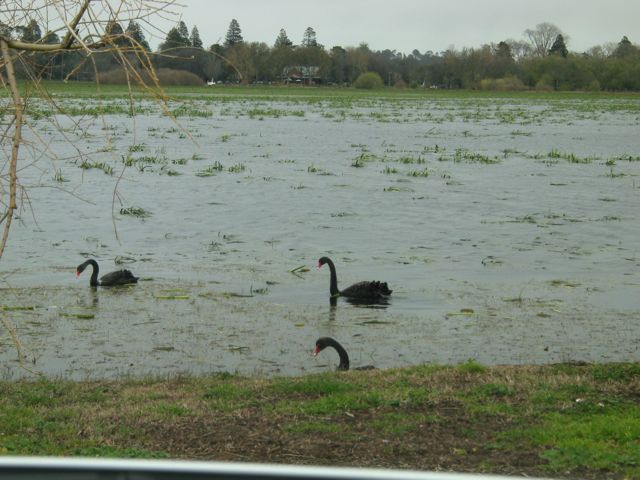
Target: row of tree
{"x":542,"y":60}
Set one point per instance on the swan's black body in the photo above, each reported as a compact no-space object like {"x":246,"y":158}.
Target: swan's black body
{"x":119,"y":277}
{"x":373,"y":290}
{"x":324,"y":342}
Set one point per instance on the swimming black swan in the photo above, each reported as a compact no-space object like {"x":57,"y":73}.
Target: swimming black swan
{"x":119,"y":277}
{"x":324,"y":342}
{"x":362,"y":290}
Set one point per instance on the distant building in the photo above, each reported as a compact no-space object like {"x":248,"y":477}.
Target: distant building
{"x":301,"y":75}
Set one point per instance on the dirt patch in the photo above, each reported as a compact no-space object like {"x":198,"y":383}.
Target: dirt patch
{"x":452,"y":440}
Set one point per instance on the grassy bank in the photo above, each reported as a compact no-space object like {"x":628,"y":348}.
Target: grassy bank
{"x":580,"y":421}
{"x":90,"y":89}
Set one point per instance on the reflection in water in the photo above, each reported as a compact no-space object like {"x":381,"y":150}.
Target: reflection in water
{"x":89,"y":299}
{"x":381,"y":302}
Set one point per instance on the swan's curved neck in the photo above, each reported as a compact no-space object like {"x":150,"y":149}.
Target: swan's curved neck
{"x":93,"y":281}
{"x":333,"y":286}
{"x":344,"y":358}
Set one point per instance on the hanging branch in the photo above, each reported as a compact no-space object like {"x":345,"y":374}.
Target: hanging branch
{"x":86,"y":27}
{"x":83,"y":26}
{"x":17,"y":136}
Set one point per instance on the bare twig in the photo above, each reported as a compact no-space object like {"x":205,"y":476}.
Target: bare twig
{"x":71,"y":28}
{"x":16,"y":342}
{"x":17,"y":135}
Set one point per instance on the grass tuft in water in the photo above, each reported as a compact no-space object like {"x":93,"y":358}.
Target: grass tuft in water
{"x":210,"y":170}
{"x":569,"y":157}
{"x":408,"y":159}
{"x":81,"y":316}
{"x":418,"y":173}
{"x":358,"y":162}
{"x":106,"y":168}
{"x":59,"y":176}
{"x":135,"y":212}
{"x":464,"y":155}
{"x":361,"y":159}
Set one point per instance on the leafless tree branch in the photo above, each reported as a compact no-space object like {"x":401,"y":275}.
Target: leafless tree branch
{"x":69,"y":26}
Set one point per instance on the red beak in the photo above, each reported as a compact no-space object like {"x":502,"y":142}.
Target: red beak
{"x":77,"y":273}
{"x":316,"y":351}
{"x":319,"y":265}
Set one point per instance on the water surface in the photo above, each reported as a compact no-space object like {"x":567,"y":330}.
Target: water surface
{"x":507,"y":228}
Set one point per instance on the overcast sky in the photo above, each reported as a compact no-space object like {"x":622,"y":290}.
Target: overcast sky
{"x":405,"y":25}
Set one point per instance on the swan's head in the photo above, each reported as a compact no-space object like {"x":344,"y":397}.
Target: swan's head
{"x":322,"y":261}
{"x":321,"y":344}
{"x":80,"y":268}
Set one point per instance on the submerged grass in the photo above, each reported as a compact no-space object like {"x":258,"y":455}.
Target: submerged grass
{"x":105,"y":167}
{"x":138,"y":212}
{"x":575,"y":421}
{"x":211,"y":170}
{"x":418,"y":173}
{"x":570,"y":157}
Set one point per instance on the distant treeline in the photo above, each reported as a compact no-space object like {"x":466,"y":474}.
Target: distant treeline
{"x":540,"y":61}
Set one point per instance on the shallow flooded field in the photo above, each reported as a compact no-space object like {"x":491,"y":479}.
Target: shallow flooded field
{"x":507,"y":228}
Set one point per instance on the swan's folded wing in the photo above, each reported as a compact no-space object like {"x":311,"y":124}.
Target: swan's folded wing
{"x":119,"y":277}
{"x":366,"y":290}
{"x":380,"y":288}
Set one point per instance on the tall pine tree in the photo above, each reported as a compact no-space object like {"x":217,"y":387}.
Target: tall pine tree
{"x":184,"y":33}
{"x":31,"y":33}
{"x":234,"y":34}
{"x":196,"y":41}
{"x":559,"y":47}
{"x":283,"y":39}
{"x":137,"y":37}
{"x":503,"y":50}
{"x":173,"y":40}
{"x":624,"y":48}
{"x":116,"y":33}
{"x":309,"y":38}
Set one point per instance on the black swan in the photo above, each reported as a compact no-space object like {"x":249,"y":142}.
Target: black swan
{"x":373,"y":290}
{"x":324,"y":342}
{"x":119,"y":277}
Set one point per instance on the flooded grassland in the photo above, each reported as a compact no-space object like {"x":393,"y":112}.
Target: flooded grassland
{"x":507,"y":228}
